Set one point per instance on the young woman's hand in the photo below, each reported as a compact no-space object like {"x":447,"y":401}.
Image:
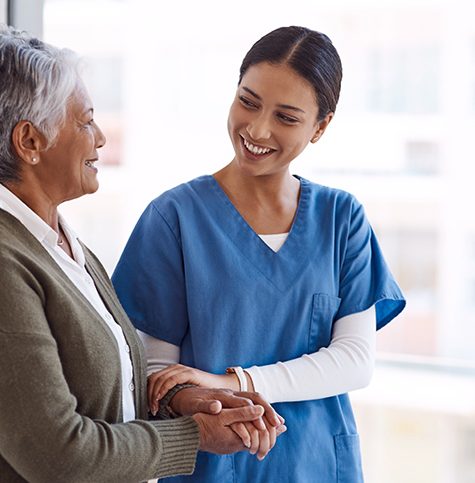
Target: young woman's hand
{"x":159,"y":383}
{"x":216,"y":435}
{"x":258,"y":441}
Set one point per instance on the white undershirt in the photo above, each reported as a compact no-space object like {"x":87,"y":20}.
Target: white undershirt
{"x":77,"y":273}
{"x":345,"y":365}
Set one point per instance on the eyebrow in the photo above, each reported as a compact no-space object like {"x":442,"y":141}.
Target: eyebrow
{"x":282,"y":106}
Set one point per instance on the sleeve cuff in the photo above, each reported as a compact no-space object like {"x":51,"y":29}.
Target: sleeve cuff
{"x":180,"y":440}
{"x":258,"y":381}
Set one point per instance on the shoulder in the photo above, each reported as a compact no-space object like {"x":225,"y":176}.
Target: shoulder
{"x":178,"y":202}
{"x":16,"y":242}
{"x":22,"y":261}
{"x":182,"y":195}
{"x":325,"y":197}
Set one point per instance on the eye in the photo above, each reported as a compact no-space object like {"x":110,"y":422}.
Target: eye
{"x":247,"y":103}
{"x":88,"y":124}
{"x":287,"y":119}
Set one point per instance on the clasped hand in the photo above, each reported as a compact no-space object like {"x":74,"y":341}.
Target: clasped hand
{"x":228,"y":421}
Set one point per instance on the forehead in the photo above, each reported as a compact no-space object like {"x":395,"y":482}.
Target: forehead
{"x":79,"y":102}
{"x":280,"y":84}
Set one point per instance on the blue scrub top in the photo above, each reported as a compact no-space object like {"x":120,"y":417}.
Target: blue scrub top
{"x":195,"y":274}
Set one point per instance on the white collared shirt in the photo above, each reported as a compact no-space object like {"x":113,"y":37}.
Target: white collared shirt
{"x":77,"y":273}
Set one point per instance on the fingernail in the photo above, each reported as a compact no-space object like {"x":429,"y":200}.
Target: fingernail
{"x":260,"y":458}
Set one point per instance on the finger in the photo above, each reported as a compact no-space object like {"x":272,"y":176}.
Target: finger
{"x":242,"y":414}
{"x":243,"y":433}
{"x":206,"y":406}
{"x":164,"y":382}
{"x":154,"y":382}
{"x":160,"y":390}
{"x":264,"y":443}
{"x":153,"y":407}
{"x":272,"y":430}
{"x":268,"y":438}
{"x":256,"y":398}
{"x":254,"y":435}
{"x":259,"y":424}
{"x":230,"y":400}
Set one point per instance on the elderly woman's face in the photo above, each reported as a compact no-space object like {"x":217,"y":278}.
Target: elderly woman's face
{"x":68,"y":166}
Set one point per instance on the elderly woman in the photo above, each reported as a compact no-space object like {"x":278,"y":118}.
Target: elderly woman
{"x":72,"y":386}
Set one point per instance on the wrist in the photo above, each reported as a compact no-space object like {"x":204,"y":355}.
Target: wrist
{"x":231,"y":381}
{"x":242,"y":380}
{"x":170,"y":404}
{"x":250,"y":383}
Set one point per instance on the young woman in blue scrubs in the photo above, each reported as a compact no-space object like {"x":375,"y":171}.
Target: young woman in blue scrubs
{"x":256,"y":268}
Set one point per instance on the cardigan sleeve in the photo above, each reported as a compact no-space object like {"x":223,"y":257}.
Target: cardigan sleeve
{"x":43,"y":437}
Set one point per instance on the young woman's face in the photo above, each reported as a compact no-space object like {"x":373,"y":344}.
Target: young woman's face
{"x":272,"y":119}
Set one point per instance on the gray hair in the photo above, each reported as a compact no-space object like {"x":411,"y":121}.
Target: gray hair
{"x":36,"y":82}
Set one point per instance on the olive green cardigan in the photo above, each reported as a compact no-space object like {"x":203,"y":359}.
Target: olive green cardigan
{"x":60,"y":379}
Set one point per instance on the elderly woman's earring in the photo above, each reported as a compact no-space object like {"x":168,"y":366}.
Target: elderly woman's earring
{"x":34,"y":160}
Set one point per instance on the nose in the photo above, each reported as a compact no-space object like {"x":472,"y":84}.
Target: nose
{"x":259,"y":128}
{"x":100,"y":138}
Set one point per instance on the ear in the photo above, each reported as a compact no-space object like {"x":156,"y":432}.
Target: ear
{"x":321,"y":127}
{"x":28,"y":142}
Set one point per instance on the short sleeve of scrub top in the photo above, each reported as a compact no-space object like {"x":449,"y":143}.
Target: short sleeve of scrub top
{"x":150,"y":280}
{"x":365,"y":279}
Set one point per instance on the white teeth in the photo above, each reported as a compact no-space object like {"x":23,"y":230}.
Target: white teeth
{"x":256,"y":149}
{"x":90,"y":163}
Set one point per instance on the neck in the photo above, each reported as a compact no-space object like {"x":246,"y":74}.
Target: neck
{"x":38,"y":201}
{"x":273,"y":187}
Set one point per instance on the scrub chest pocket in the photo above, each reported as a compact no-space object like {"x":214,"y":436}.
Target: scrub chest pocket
{"x":324,"y":309}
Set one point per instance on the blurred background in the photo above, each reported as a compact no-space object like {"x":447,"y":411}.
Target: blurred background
{"x":162,"y":76}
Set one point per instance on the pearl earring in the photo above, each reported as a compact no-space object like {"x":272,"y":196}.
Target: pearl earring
{"x":34,"y":159}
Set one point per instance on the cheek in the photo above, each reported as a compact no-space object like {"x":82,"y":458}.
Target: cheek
{"x":232,"y":120}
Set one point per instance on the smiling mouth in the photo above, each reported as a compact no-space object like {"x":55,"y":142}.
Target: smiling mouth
{"x":90,"y":163}
{"x":256,"y":150}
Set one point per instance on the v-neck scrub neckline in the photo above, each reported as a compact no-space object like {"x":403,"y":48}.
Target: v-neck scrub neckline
{"x":280,"y":267}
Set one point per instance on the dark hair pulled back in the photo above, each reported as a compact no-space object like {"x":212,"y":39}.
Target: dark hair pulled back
{"x":311,"y":54}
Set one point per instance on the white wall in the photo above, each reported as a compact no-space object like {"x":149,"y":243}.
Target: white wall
{"x":27,"y":15}
{"x":3,"y":11}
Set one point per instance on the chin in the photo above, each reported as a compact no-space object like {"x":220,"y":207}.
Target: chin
{"x":90,"y":189}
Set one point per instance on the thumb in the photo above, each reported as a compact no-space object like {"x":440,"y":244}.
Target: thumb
{"x":241,"y":414}
{"x":206,"y":406}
